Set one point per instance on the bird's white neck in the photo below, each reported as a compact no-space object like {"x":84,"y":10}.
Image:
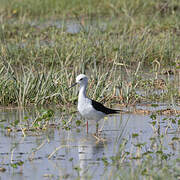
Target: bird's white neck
{"x":82,"y":92}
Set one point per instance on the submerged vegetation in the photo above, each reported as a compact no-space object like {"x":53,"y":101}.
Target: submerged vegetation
{"x":140,"y":154}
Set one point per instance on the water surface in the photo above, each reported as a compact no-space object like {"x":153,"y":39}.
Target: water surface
{"x":79,"y":154}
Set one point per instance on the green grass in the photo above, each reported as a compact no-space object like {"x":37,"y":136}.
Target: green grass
{"x":117,"y":42}
{"x":68,"y":8}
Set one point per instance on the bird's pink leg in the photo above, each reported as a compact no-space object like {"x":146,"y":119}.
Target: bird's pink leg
{"x":87,"y":126}
{"x":97,"y":125}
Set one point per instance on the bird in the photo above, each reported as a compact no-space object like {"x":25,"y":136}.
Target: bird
{"x":89,"y":108}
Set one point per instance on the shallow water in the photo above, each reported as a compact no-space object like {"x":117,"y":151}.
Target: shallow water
{"x":79,"y":154}
{"x":73,"y":26}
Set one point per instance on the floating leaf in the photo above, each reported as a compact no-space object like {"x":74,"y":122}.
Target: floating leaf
{"x":3,"y":120}
{"x":20,"y":163}
{"x":153,"y":123}
{"x":144,"y":171}
{"x":153,"y":116}
{"x":137,"y":157}
{"x":39,"y":119}
{"x":78,"y":123}
{"x":67,"y":128}
{"x":164,"y":119}
{"x":36,"y":124}
{"x":77,"y":168}
{"x":164,"y":157}
{"x":179,"y":122}
{"x":173,"y":121}
{"x":175,"y":139}
{"x":63,"y":122}
{"x":15,"y":123}
{"x":154,"y":105}
{"x":152,"y":138}
{"x":159,"y":152}
{"x":105,"y":161}
{"x":14,"y":165}
{"x":147,"y":152}
{"x":135,"y":135}
{"x":139,"y":144}
{"x":26,"y":118}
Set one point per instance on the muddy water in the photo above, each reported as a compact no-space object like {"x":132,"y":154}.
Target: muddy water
{"x":79,"y":154}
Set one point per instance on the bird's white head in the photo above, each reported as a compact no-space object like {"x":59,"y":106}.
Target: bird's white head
{"x":81,"y":79}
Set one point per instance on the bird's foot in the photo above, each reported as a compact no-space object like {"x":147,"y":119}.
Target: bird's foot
{"x":98,"y":138}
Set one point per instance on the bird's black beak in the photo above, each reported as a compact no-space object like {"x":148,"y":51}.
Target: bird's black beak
{"x":72,"y":85}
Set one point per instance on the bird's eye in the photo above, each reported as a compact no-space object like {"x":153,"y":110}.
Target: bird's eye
{"x":81,"y":79}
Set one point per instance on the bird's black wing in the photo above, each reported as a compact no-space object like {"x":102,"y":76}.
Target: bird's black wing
{"x":99,"y":107}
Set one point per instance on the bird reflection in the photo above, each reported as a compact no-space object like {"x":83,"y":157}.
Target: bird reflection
{"x":89,"y":151}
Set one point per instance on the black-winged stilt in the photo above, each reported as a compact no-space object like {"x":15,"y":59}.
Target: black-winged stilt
{"x":88,"y":108}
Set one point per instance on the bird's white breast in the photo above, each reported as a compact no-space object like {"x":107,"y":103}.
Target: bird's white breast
{"x":87,"y":111}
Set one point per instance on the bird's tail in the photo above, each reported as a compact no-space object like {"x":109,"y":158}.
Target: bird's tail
{"x":113,"y":111}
